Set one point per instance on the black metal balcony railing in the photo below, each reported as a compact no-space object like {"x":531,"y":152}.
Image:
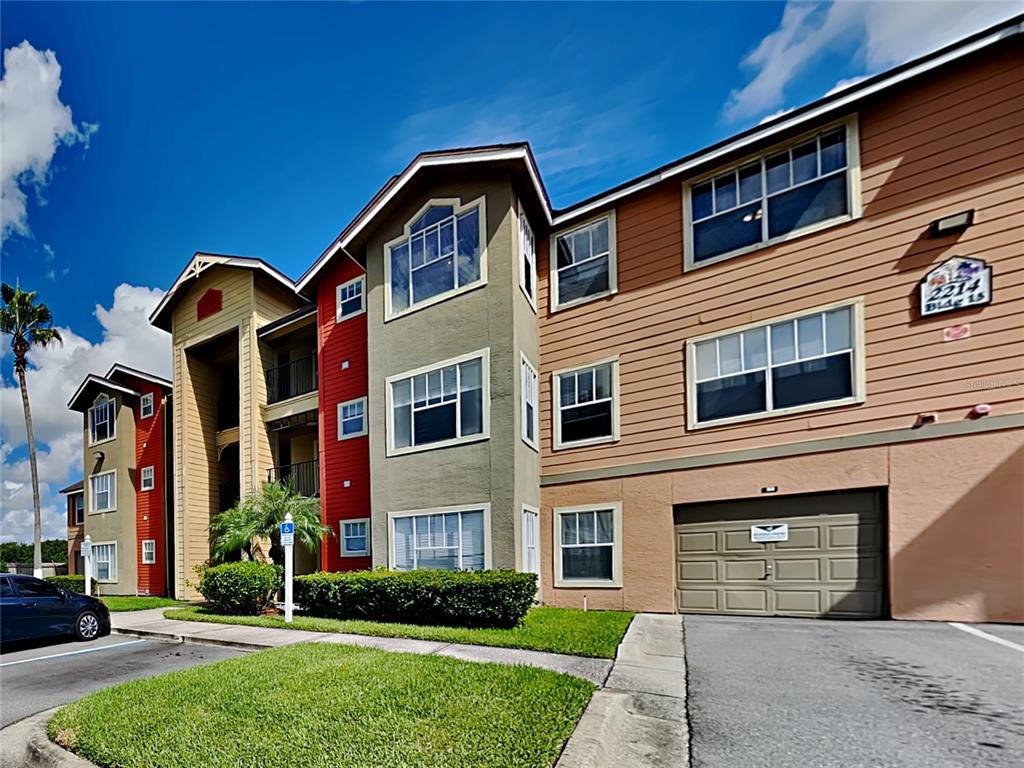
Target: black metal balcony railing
{"x":227,"y":414}
{"x":228,"y":495}
{"x":304,"y":477}
{"x":291,"y":379}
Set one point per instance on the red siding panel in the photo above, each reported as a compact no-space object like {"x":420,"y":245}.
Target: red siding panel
{"x":341,"y":460}
{"x":149,"y":505}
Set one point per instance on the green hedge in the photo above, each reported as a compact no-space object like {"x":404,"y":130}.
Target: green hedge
{"x":440,"y":598}
{"x":244,"y":588}
{"x":70,"y":583}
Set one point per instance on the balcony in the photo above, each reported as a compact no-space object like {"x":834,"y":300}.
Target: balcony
{"x":227,"y":414}
{"x":228,"y":495}
{"x":292,"y":379}
{"x":304,"y":476}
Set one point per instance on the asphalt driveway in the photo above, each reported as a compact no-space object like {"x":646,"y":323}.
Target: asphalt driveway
{"x":815,"y":694}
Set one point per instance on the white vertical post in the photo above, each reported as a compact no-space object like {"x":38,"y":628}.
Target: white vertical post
{"x":288,"y":538}
{"x":87,"y":558}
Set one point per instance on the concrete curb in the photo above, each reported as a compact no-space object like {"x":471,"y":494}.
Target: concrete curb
{"x":640,"y":717}
{"x":25,"y":744}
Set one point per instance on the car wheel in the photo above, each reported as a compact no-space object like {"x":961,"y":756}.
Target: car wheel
{"x":87,"y":626}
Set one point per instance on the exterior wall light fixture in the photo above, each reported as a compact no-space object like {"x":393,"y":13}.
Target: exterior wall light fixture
{"x":948,"y":225}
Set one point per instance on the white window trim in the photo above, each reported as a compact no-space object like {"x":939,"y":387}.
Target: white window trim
{"x":338,"y":318}
{"x":616,"y":580}
{"x":613,"y":271}
{"x":366,"y":417}
{"x":535,"y":443}
{"x":853,"y":191}
{"x":522,"y":539}
{"x":341,"y":537}
{"x":150,"y":560}
{"x":88,"y":421}
{"x":113,"y":560}
{"x":859,"y":373}
{"x":556,"y":402}
{"x":112,"y":495}
{"x":485,"y":508}
{"x":458,"y":208}
{"x":147,"y":398}
{"x":533,"y":263}
{"x":142,"y":478}
{"x":484,"y":355}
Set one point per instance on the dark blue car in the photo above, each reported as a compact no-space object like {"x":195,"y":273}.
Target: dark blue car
{"x":31,"y":608}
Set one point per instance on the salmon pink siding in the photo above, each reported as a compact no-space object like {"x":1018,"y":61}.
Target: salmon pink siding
{"x":341,"y":461}
{"x":149,"y":505}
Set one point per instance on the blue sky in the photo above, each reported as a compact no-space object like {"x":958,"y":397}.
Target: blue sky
{"x":261,"y":129}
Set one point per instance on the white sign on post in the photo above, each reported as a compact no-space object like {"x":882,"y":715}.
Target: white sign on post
{"x":87,"y":560}
{"x":288,"y":542}
{"x":760,"y":534}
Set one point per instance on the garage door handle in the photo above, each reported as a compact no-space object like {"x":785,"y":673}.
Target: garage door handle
{"x":767,"y":571}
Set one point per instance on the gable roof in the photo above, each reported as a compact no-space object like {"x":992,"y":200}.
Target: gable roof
{"x":118,"y":371}
{"x":200,"y":262}
{"x":83,"y":397}
{"x":846,"y":98}
{"x":73,"y":488}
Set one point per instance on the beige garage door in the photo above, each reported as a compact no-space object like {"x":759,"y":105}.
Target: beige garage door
{"x":819,"y":556}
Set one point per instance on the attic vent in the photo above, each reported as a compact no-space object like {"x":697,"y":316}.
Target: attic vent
{"x":210,"y":303}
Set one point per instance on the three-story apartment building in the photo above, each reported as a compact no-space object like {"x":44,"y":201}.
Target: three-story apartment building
{"x":782,"y":375}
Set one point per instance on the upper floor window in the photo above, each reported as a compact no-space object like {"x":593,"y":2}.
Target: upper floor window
{"x":527,"y":260}
{"x":350,"y":300}
{"x":148,"y":479}
{"x":530,"y":415}
{"x":441,"y":252}
{"x":103,"y":492}
{"x":794,"y":363}
{"x":79,"y":508}
{"x":146,"y":405}
{"x":101,"y":419}
{"x":440,"y":405}
{"x":352,"y":418}
{"x":772,"y":197}
{"x":583,"y":267}
{"x":587,"y":405}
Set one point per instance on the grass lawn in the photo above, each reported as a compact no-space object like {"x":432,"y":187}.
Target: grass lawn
{"x":137,"y":603}
{"x":558,"y":630}
{"x":329,"y":705}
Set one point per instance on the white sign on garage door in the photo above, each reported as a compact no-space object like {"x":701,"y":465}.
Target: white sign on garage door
{"x":769,"y":532}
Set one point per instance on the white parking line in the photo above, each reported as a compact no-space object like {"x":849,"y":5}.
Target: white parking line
{"x":71,"y":653}
{"x":987,"y":636}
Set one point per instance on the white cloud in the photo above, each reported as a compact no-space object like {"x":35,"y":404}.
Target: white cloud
{"x":53,"y":377}
{"x":33,"y":123}
{"x":878,"y":34}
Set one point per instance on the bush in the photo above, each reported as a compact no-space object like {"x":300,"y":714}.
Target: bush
{"x":441,"y":598}
{"x":71,"y":583}
{"x":244,"y":588}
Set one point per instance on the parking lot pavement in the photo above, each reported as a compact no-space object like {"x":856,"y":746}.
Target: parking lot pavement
{"x":38,"y":677}
{"x":815,"y":694}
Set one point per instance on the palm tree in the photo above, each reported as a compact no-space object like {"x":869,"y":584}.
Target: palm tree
{"x":259,"y":516}
{"x":29,"y":324}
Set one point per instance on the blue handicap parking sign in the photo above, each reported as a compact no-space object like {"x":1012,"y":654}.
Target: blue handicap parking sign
{"x":287,"y":528}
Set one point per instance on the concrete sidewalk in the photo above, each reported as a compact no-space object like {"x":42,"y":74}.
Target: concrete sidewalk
{"x":152,"y":624}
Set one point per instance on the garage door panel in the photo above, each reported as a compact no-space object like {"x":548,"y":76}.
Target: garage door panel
{"x":832,"y":563}
{"x":700,"y":570}
{"x":797,"y":570}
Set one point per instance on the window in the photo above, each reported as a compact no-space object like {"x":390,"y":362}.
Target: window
{"x":79,"y":508}
{"x":103,"y":492}
{"x":531,"y":414}
{"x":440,"y":253}
{"x":584,"y":263}
{"x":588,"y":551}
{"x":146,"y":405}
{"x":352,"y":419}
{"x":453,"y":540}
{"x":355,"y":537}
{"x":527,"y":260}
{"x":531,"y":541}
{"x":796,"y":362}
{"x":34,"y":589}
{"x":6,"y":590}
{"x":104,"y":562}
{"x":350,"y":299}
{"x":148,"y":479}
{"x":149,"y":552}
{"x":101,"y":420}
{"x":587,"y":405}
{"x":441,"y":405}
{"x":771,"y":197}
